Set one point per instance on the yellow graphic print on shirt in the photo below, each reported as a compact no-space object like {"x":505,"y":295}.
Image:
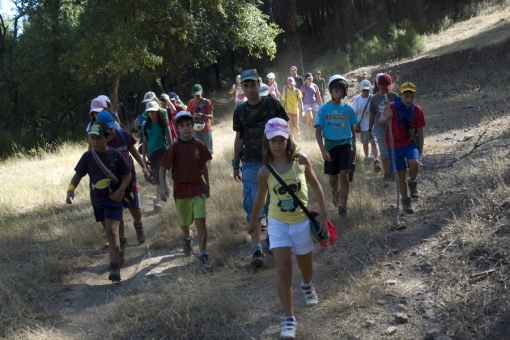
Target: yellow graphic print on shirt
{"x":102,"y":184}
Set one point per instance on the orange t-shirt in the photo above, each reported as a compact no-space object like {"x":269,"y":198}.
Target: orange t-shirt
{"x":207,"y":109}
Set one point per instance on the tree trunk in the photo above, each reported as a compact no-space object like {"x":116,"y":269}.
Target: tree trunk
{"x":54,"y":13}
{"x":114,"y":88}
{"x":292,"y":37}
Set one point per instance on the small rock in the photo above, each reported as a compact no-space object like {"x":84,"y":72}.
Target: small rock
{"x":468,"y":136}
{"x":466,"y":130}
{"x":370,"y":324}
{"x":394,"y":250}
{"x":401,"y":318}
{"x":382,"y":302}
{"x":400,"y":307}
{"x":429,"y":314}
{"x":425,"y":240}
{"x":470,"y":106}
{"x":391,"y":330}
{"x":399,"y":264}
{"x":414,"y":253}
{"x":448,"y":137}
{"x":391,"y":282}
{"x":432,"y":334}
{"x":402,"y":301}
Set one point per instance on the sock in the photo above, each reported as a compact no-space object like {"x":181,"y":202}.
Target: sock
{"x":412,"y":181}
{"x":290,"y":318}
{"x":202,"y":252}
{"x":257,"y":246}
{"x":376,"y":159}
{"x":305,"y":286}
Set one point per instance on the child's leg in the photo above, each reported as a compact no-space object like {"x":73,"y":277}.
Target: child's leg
{"x":185,"y":230}
{"x":158,"y":190}
{"x":365,"y":149}
{"x":121,"y":228}
{"x":344,"y":186}
{"x":202,"y":233}
{"x":306,"y":266}
{"x":283,"y":260}
{"x":137,"y":214}
{"x":414,"y":167}
{"x":402,"y":183}
{"x":112,"y":234}
{"x":333,"y":182}
{"x":309,"y":122}
{"x":373,"y":147}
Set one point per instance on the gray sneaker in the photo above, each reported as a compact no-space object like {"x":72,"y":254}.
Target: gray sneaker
{"x":258,"y":259}
{"x":140,"y":232}
{"x":187,"y":248}
{"x":203,"y":261}
{"x":377,"y":166}
{"x":413,"y":189}
{"x":342,"y":210}
{"x":407,"y":205}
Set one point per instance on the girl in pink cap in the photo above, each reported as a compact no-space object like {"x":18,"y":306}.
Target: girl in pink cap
{"x":292,"y":102}
{"x":288,"y":225}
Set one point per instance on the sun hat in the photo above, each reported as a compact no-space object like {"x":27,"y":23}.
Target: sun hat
{"x":263,"y":90}
{"x":172,"y":95}
{"x":149,"y":96}
{"x":270,"y":75}
{"x":291,"y":80}
{"x":293,"y":68}
{"x":407,"y":87}
{"x":182,"y":114}
{"x":196,"y":90}
{"x":238,"y":78}
{"x":97,"y":105}
{"x":338,"y":77}
{"x":365,"y":85}
{"x":249,"y":75}
{"x":384,"y":82}
{"x":105,"y":98}
{"x":152,"y":106}
{"x":277,"y":127}
{"x":99,"y":129}
{"x":106,"y":118}
{"x":308,"y":75}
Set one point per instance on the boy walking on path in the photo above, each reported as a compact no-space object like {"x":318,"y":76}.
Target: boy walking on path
{"x":249,"y":121}
{"x":321,"y":83}
{"x":187,"y":158}
{"x":124,"y":142}
{"x":361,"y":106}
{"x":109,"y":177}
{"x":377,"y":105}
{"x":407,"y":128}
{"x":336,"y":121}
{"x":202,"y":109}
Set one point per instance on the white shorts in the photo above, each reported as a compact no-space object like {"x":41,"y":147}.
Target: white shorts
{"x":296,"y":236}
{"x":311,"y":107}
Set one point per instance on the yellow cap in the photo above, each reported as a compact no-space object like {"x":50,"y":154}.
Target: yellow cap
{"x":407,"y":87}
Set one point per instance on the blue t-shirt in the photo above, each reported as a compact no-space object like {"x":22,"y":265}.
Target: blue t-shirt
{"x":336,"y":121}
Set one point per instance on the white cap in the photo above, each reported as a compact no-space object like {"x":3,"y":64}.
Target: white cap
{"x":336,"y":77}
{"x":263,"y":90}
{"x":277,"y":127}
{"x":105,"y":98}
{"x":365,"y":85}
{"x":152,"y":106}
{"x":271,"y":76}
{"x":181,"y":115}
{"x":149,"y":96}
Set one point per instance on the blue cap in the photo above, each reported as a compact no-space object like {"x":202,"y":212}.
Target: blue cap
{"x":249,"y":75}
{"x":106,"y":117}
{"x":173,"y":95}
{"x":308,"y":75}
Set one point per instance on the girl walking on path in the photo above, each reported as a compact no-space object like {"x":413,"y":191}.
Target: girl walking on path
{"x":273,"y":87}
{"x":288,"y":226}
{"x":311,"y":101}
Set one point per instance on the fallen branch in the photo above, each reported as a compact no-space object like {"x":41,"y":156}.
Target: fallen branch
{"x":485,"y":273}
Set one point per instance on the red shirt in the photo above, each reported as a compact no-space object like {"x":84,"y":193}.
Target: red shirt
{"x":207,"y":109}
{"x":402,"y":137}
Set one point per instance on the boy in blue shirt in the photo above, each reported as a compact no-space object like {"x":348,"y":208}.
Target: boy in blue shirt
{"x":336,"y":122}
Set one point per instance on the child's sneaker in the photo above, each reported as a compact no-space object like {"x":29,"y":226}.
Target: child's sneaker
{"x":114,"y":272}
{"x":342,"y":210}
{"x":413,"y":189}
{"x":371,"y":156}
{"x":203,"y":261}
{"x":386,"y":180}
{"x":288,"y":331}
{"x":311,"y":297}
{"x":158,"y":204}
{"x":258,"y":259}
{"x":407,"y":205}
{"x":140,"y":232}
{"x":377,"y":166}
{"x":187,"y":249}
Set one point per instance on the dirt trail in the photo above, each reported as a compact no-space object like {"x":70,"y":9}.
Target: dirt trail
{"x":89,"y":289}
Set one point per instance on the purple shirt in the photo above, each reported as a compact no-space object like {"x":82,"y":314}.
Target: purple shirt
{"x":118,"y":143}
{"x":309,"y":92}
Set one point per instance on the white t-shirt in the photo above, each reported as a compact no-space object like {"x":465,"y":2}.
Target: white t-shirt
{"x":358,"y":105}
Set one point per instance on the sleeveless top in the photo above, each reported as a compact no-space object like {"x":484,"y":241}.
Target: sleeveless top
{"x":281,"y":205}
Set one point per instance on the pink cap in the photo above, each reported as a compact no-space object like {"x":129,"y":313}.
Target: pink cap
{"x":291,"y":80}
{"x":377,"y":77}
{"x":98,"y":104}
{"x":277,"y":127}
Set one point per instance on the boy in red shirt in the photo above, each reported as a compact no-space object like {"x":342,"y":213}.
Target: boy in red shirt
{"x":202,"y":110}
{"x":187,"y":158}
{"x":407,"y":129}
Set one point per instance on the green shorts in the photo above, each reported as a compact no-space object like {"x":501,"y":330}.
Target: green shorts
{"x":189,"y":209}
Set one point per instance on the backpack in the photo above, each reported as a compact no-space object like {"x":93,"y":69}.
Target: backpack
{"x":245,"y":117}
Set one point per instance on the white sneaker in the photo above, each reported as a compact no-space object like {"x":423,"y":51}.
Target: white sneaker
{"x":311,"y":297}
{"x":288,"y":331}
{"x":158,"y":204}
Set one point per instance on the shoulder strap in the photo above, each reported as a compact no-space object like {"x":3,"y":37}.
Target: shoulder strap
{"x":124,"y":138}
{"x":291,"y":193}
{"x":104,"y":169}
{"x":200,"y":105}
{"x":365,"y":109}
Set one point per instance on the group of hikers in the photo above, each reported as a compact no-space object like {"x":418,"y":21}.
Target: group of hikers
{"x":274,"y":174}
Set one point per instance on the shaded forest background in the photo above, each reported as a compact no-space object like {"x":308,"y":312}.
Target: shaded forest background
{"x":56,"y":55}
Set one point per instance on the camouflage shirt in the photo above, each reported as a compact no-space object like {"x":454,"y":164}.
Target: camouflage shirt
{"x":250,"y":121}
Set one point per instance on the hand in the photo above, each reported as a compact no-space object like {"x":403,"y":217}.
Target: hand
{"x":322,"y":219}
{"x":165,"y":97}
{"x":251,"y":228}
{"x":118,"y":195}
{"x":164,"y":193}
{"x":370,"y":136}
{"x":70,"y":197}
{"x":145,"y":172}
{"x":237,"y":175}
{"x":326,"y":156}
{"x":197,"y":115}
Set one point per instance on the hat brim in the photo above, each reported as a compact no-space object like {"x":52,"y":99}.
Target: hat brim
{"x":152,"y":110}
{"x":148,"y":100}
{"x":365,"y":88}
{"x":405,"y":89}
{"x":271,"y":135}
{"x":385,"y":87}
{"x":250,"y":78}
{"x":98,"y":133}
{"x":196,"y":93}
{"x":96,"y":109}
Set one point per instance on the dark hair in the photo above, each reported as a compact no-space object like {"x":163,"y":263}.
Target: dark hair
{"x":292,"y":150}
{"x":92,"y":119}
{"x":161,"y":122}
{"x":376,"y":87}
{"x":184,"y":119}
{"x":338,"y":83}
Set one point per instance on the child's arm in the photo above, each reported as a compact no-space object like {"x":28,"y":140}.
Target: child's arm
{"x":205,"y":171}
{"x":233,"y":89}
{"x":371,"y":123}
{"x":136,"y":155}
{"x":118,"y":195}
{"x":318,"y":96}
{"x":388,"y":114}
{"x":144,"y":150}
{"x":260,"y":201}
{"x":238,"y":148}
{"x":168,"y":136}
{"x":421,"y":139}
{"x":318,"y":137}
{"x":317,"y":192}
{"x":72,"y":186}
{"x":164,"y":185}
{"x":171,"y":107}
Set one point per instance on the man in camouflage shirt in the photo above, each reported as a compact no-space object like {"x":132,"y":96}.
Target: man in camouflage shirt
{"x":249,"y":122}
